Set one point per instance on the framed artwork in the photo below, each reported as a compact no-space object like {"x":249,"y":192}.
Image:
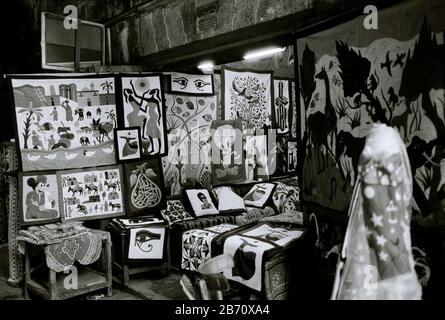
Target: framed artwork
{"x":144,"y":183}
{"x":247,"y":95}
{"x":146,"y":243}
{"x":38,"y":198}
{"x":64,"y":122}
{"x":279,"y":156}
{"x":292,"y":156}
{"x":143,"y":107}
{"x":188,"y":129}
{"x":201,"y":202}
{"x":128,"y":143}
{"x":227,"y":152}
{"x":256,"y":162}
{"x":89,"y":194}
{"x":259,"y":194}
{"x":195,"y":84}
{"x":295,"y":117}
{"x":282,"y":105}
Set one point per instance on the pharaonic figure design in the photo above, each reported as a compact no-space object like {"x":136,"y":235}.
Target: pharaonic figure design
{"x":146,"y":113}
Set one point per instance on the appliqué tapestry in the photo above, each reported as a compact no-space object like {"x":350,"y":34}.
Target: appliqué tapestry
{"x":248,"y":96}
{"x":188,"y":126}
{"x":282,"y":105}
{"x":88,"y":194}
{"x":247,"y":249}
{"x":259,"y":194}
{"x":144,"y":183}
{"x":143,"y":101}
{"x":65,"y":123}
{"x":350,"y":83}
{"x":292,"y":159}
{"x":196,"y":248}
{"x":196,"y":84}
{"x":128,"y":143}
{"x":146,"y":243}
{"x":227,"y":151}
{"x":39,"y":198}
{"x":279,"y":157}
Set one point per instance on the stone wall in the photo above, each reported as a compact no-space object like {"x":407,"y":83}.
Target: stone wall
{"x":164,"y":25}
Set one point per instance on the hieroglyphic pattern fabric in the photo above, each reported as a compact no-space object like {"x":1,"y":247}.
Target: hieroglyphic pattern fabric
{"x":196,"y":84}
{"x":196,"y":248}
{"x":146,"y":243}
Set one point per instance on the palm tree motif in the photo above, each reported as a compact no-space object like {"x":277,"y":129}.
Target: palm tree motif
{"x":31,"y":112}
{"x":107,"y":86}
{"x":112,"y":116}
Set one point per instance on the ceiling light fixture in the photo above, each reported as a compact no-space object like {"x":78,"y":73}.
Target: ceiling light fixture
{"x":206,"y":66}
{"x":263,"y":53}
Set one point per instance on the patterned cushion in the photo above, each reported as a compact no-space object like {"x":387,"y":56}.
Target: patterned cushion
{"x":228,"y":200}
{"x":175,"y":212}
{"x":254,"y":214}
{"x":295,"y":217}
{"x":286,"y":198}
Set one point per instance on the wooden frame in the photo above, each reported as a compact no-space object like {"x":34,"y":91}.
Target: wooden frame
{"x":120,"y":211}
{"x":121,"y":110}
{"x":76,"y":64}
{"x":223,"y":89}
{"x":21,"y":202}
{"x":116,"y":143}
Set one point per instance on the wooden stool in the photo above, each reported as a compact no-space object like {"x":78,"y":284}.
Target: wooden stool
{"x":88,"y":279}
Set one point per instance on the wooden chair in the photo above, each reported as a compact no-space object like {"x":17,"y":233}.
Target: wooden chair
{"x":213,"y":283}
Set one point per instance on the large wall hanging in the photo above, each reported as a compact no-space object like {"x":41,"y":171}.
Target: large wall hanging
{"x":188,"y":125}
{"x":350,"y":79}
{"x":64,"y":122}
{"x":248,"y":96}
{"x":227,"y":152}
{"x":143,"y":106}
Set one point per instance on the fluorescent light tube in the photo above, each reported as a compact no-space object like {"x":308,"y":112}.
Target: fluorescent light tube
{"x":262,"y":53}
{"x":206,"y":66}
